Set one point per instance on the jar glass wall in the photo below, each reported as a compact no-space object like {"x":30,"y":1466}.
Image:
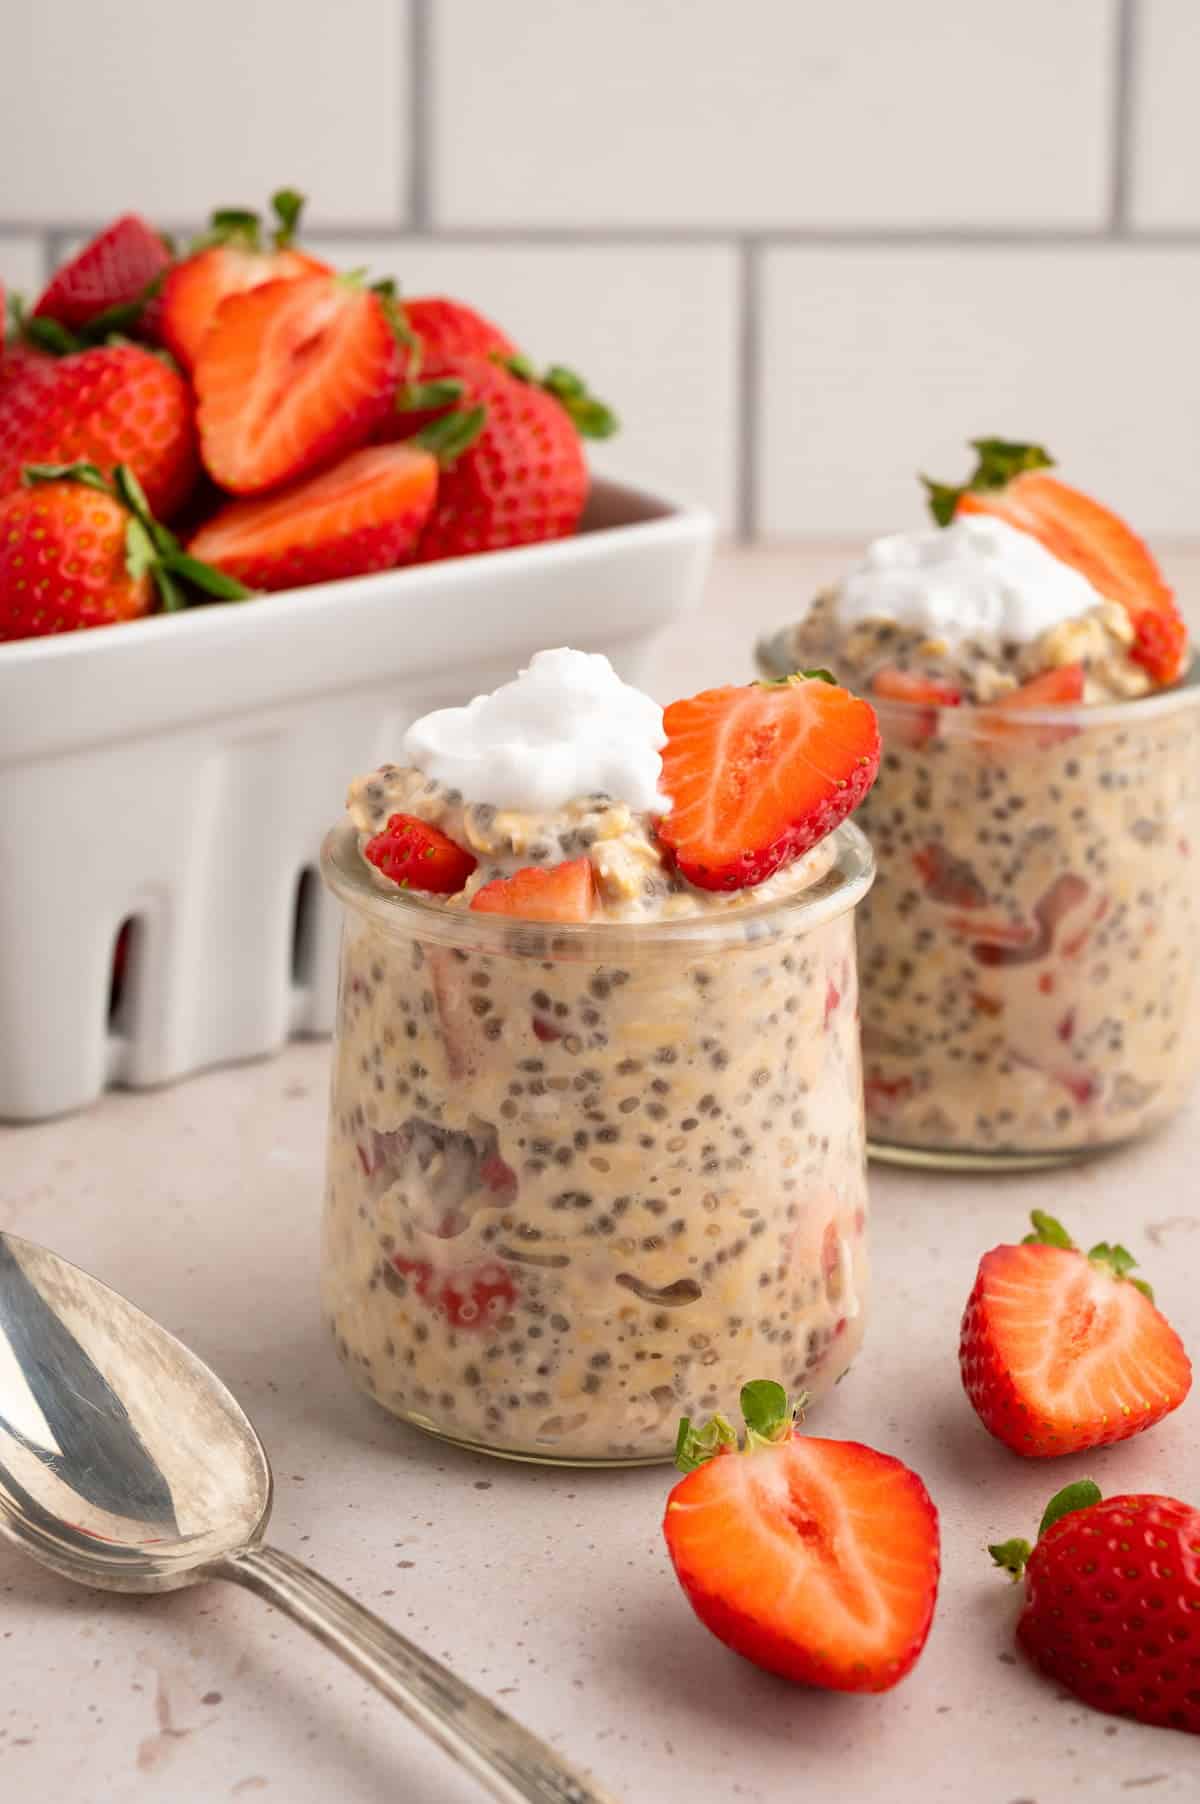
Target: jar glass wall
{"x":1028,"y":954}
{"x":585,"y":1180}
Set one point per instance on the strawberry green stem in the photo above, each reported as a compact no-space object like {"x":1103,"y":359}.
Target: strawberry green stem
{"x":1115,"y":1257}
{"x":768,"y":1416}
{"x":1013,"y":1556}
{"x":592,"y":418}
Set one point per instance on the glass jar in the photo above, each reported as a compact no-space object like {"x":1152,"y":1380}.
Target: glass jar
{"x":1028,"y":953}
{"x":584,"y":1180}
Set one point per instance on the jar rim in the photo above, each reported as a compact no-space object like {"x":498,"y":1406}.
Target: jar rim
{"x":963,"y":719}
{"x":410,"y":914}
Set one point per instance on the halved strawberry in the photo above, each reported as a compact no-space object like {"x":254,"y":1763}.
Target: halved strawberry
{"x":1062,"y":1350}
{"x":1010,"y":481}
{"x":292,"y":375}
{"x":478,"y":1299}
{"x":757,"y":775}
{"x":231,"y":259}
{"x":366,"y":513}
{"x":817,"y":1560}
{"x":110,"y":281}
{"x":558,"y":892}
{"x":419,"y":856}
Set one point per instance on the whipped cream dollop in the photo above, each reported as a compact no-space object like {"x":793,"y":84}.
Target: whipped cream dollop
{"x":566,"y":727}
{"x":977,"y":579}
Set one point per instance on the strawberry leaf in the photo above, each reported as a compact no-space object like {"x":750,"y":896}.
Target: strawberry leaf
{"x":1047,"y":1232}
{"x":206,"y":577}
{"x":1012,"y":1556}
{"x":998,"y":461}
{"x":693,"y":1446}
{"x":1078,"y":1496}
{"x":591,"y":417}
{"x":230,"y":223}
{"x":170,"y":592}
{"x":1120,"y":1261}
{"x":87,"y":473}
{"x":124,"y":315}
{"x":418,"y":397}
{"x":49,"y":335}
{"x":287,"y":204}
{"x":140,"y":555}
{"x":765,"y":1408}
{"x":453,"y":434}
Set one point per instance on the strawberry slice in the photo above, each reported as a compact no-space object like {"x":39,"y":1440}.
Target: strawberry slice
{"x":558,"y":892}
{"x":290,"y":376}
{"x":418,"y":856}
{"x":1011,"y":482}
{"x":110,"y":281}
{"x":478,"y":1299}
{"x":817,"y":1560}
{"x":757,"y":775}
{"x":1062,"y":1350}
{"x":1049,"y":689}
{"x":364,"y":514}
{"x":896,"y":685}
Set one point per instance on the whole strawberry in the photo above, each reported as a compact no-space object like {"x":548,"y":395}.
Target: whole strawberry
{"x":1111,"y":1601}
{"x":447,"y":330}
{"x":1061,"y":1350}
{"x":112,"y":404}
{"x":79,"y":549}
{"x":514,"y":469}
{"x":107,"y":286}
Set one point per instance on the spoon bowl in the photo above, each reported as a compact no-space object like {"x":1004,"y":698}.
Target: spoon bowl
{"x":126,"y":1464}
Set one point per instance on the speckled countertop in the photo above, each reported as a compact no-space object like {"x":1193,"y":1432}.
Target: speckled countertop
{"x":549,"y":1590}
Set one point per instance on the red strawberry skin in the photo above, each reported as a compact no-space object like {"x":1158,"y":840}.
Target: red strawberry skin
{"x":113,"y":270}
{"x":1057,"y":1355}
{"x":1111,"y":1606}
{"x":758,"y":775}
{"x":450,"y":330}
{"x":523,"y":480}
{"x":112,"y":404}
{"x":816,"y":1560}
{"x":62,"y":562}
{"x":416,"y":855}
{"x":364,"y":514}
{"x":291,"y":376}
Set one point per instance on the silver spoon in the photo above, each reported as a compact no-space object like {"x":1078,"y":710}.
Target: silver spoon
{"x":125,"y":1463}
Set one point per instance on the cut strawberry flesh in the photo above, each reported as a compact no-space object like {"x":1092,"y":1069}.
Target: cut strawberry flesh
{"x":1097,"y":543}
{"x":817,"y":1560}
{"x":758,"y":775}
{"x":195,"y":289}
{"x":1083,"y":1358}
{"x":1049,"y":689}
{"x":478,"y":1299}
{"x":909,"y":686}
{"x":291,"y":375}
{"x":418,"y":856}
{"x":557,"y":893}
{"x":364,"y":514}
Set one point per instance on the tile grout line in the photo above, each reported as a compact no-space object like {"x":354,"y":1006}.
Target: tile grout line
{"x":420,"y":135}
{"x":746,"y":376}
{"x":1121,"y":150}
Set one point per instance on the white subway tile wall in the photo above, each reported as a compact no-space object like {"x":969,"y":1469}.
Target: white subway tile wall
{"x":864,"y":113}
{"x":803,"y":248}
{"x":653,"y":328}
{"x":1166,"y":120}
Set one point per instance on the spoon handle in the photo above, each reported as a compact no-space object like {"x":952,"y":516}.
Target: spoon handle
{"x":514,"y":1765}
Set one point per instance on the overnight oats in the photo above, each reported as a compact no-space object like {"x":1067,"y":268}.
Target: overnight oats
{"x":596,"y":1140}
{"x":1027,"y":955}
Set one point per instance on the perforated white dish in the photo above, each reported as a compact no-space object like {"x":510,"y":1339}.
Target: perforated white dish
{"x":178,"y":774}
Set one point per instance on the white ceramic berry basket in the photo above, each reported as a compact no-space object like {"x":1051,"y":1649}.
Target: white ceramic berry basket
{"x":178,"y":773}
